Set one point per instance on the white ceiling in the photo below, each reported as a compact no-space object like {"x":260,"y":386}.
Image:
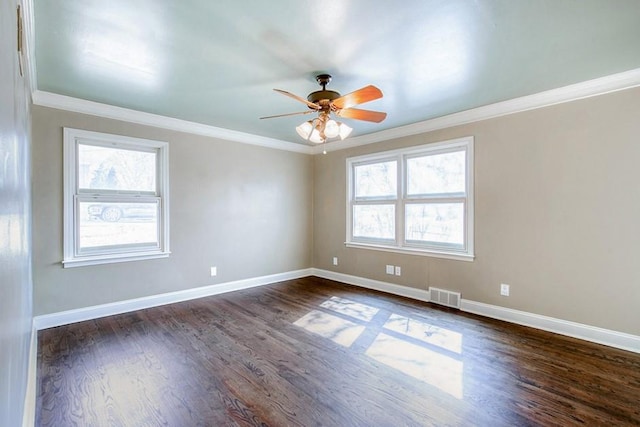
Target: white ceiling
{"x":216,"y":63}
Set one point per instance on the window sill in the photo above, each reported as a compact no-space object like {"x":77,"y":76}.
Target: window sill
{"x":110,"y":259}
{"x":412,"y":251}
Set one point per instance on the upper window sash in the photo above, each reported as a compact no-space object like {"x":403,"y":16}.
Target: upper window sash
{"x":148,"y":147}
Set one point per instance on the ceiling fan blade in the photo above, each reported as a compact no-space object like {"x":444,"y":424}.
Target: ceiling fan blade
{"x":298,"y":98}
{"x":357,"y":114}
{"x":287,"y":114}
{"x":360,"y":96}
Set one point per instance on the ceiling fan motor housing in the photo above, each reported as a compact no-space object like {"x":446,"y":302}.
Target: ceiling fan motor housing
{"x":323,"y":97}
{"x":320,"y":95}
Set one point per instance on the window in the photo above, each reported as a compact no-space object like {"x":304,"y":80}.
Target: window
{"x":116,"y":205}
{"x":416,"y":200}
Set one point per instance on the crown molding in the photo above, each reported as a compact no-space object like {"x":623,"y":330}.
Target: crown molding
{"x":574,"y":92}
{"x":68,"y":103}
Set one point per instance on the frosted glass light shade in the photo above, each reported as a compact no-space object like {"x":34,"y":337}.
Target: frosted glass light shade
{"x":345,"y":131}
{"x":315,"y":137}
{"x":304,"y":130}
{"x":331,"y":129}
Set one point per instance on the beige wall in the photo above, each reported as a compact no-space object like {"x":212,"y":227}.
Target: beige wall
{"x":557,"y":214}
{"x":242,"y":208}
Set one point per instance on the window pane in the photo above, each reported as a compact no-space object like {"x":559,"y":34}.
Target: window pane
{"x":105,"y":168}
{"x":436,"y":174}
{"x":376,"y":180}
{"x":435,"y":222}
{"x":374,"y":221}
{"x":118,"y":224}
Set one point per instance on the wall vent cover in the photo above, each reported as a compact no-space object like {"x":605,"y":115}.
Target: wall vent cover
{"x":444,"y":297}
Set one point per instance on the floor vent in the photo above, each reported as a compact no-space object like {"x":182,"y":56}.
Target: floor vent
{"x":443,"y":297}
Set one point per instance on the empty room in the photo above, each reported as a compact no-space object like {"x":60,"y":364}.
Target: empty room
{"x":336,"y":213}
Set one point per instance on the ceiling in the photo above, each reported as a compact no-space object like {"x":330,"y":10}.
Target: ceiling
{"x":216,"y":63}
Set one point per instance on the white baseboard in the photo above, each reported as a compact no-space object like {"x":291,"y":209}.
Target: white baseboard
{"x":391,"y":288}
{"x":46,"y":321}
{"x":563,"y":327}
{"x":29,"y":413}
{"x":594,"y":334}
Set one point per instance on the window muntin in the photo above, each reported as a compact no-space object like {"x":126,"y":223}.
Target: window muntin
{"x":428,"y":204}
{"x":116,"y":198}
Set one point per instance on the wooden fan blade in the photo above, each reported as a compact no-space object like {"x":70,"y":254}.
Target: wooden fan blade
{"x":287,"y":114}
{"x":298,"y":98}
{"x":357,"y":114}
{"x":360,"y":96}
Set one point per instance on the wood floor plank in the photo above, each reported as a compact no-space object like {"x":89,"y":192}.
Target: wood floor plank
{"x":313,"y":352}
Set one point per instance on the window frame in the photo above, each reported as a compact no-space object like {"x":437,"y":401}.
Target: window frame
{"x":74,"y":255}
{"x":401,"y":244}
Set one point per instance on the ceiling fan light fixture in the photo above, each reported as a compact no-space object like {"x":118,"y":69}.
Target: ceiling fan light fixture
{"x":331,"y":128}
{"x":316,"y":137}
{"x":344,"y":130}
{"x":304,"y":130}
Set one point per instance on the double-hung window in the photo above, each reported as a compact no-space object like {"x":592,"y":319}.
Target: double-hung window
{"x":415,"y":200}
{"x":116,"y":198}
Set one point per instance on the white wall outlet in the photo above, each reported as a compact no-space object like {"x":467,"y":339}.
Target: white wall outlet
{"x":398,"y":270}
{"x":335,"y":260}
{"x":504,"y":290}
{"x":214,"y":271}
{"x":389,"y":269}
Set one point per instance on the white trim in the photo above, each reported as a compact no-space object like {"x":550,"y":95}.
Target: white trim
{"x":29,"y":412}
{"x":595,"y":87}
{"x":112,"y":258}
{"x":391,"y":288}
{"x":62,"y":102}
{"x":594,"y":334}
{"x":46,"y":321}
{"x":412,"y":251}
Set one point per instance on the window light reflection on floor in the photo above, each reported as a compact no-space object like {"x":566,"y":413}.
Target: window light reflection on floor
{"x":441,"y":337}
{"x":436,"y":369}
{"x":426,"y":352}
{"x":350,"y":308}
{"x":326,"y":325}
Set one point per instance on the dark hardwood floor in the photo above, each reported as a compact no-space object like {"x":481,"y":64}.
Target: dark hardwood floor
{"x":313,"y":352}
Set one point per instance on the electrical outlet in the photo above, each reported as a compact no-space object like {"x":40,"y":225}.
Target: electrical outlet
{"x":389,"y":269}
{"x":335,"y":260}
{"x":504,"y":290}
{"x":214,"y":271}
{"x":398,"y":270}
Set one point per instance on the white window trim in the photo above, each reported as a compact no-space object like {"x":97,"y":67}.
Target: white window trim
{"x":70,"y":180}
{"x":400,"y":246}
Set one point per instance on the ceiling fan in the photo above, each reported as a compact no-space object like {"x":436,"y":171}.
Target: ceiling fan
{"x":324,"y":102}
